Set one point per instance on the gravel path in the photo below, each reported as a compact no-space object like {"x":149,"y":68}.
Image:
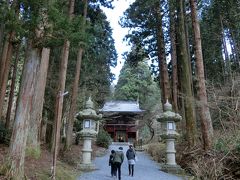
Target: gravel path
{"x":145,"y":169}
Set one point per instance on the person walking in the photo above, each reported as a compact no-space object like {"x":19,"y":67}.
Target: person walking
{"x":118,"y":160}
{"x":111,"y":163}
{"x":131,"y":159}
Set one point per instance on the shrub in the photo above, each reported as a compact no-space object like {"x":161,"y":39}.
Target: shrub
{"x":103,"y":139}
{"x":157,"y":151}
{"x":227,"y":142}
{"x":221,"y":145}
{"x":237,"y":146}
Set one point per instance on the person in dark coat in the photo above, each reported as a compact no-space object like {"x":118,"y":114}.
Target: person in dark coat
{"x":131,"y":160}
{"x":118,"y":160}
{"x":111,"y":163}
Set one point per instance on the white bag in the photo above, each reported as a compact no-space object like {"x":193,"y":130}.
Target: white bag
{"x":131,"y":161}
{"x":136,"y":158}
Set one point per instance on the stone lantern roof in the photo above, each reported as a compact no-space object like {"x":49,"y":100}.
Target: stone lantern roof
{"x":89,"y":103}
{"x":168,"y":115}
{"x":89,"y":112}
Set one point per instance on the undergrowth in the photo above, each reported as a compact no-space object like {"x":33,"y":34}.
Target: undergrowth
{"x":221,"y":162}
{"x":63,"y":172}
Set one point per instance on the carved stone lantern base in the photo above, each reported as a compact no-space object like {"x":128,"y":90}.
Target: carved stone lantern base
{"x":86,"y":163}
{"x":174,"y":169}
{"x":86,"y":167}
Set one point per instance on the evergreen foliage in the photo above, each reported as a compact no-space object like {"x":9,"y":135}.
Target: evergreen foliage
{"x":136,"y":83}
{"x":103,"y":139}
{"x":100,"y":55}
{"x":220,"y":20}
{"x":141,"y":18}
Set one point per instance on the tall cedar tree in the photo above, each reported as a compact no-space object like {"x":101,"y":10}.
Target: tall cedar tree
{"x":75,"y":85}
{"x":162,"y":62}
{"x":42,"y":58}
{"x":173,"y":55}
{"x":6,"y":54}
{"x":33,"y":141}
{"x":146,"y":20}
{"x":23,"y":109}
{"x":185,"y":77}
{"x":11,"y":94}
{"x":61,"y":85}
{"x":5,"y":67}
{"x":204,"y":113}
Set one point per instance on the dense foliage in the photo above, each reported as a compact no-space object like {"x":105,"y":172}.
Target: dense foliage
{"x":103,"y":139}
{"x":45,"y":38}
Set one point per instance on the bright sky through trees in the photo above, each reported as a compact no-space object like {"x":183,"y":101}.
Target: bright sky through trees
{"x":113,"y":16}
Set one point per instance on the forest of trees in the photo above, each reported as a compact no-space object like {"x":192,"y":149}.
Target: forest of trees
{"x":47,"y":49}
{"x":51,"y":47}
{"x":194,"y":49}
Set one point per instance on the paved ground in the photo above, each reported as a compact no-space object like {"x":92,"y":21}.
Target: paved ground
{"x":145,"y":169}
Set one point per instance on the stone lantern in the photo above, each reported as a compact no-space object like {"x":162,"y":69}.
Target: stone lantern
{"x":168,"y":121}
{"x":88,"y":117}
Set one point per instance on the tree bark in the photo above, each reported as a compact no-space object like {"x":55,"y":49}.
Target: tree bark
{"x":61,"y":88}
{"x":186,"y":88}
{"x":5,"y":68}
{"x":163,"y":70}
{"x":1,"y":37}
{"x":21,"y":122}
{"x":33,"y":141}
{"x":173,"y":57}
{"x":11,"y":96}
{"x":204,"y":113}
{"x":70,"y":120}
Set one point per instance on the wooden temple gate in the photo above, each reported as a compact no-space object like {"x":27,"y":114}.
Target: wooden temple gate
{"x":121,"y":120}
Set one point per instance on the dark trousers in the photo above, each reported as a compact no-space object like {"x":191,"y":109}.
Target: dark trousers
{"x":131,"y":169}
{"x":113,"y":169}
{"x":118,"y":167}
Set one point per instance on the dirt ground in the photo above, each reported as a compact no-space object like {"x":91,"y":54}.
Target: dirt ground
{"x":37,"y":169}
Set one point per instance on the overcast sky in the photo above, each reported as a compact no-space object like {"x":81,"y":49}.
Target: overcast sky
{"x":113,"y":16}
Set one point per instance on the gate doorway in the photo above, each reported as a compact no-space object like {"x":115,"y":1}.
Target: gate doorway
{"x":121,"y":136}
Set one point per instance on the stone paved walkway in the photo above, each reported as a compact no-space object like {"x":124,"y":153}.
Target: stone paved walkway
{"x":145,"y":169}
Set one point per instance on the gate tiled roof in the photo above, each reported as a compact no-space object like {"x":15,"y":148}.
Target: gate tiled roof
{"x":121,"y":106}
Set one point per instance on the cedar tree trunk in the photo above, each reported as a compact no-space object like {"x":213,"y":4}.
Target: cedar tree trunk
{"x":61,"y":86}
{"x":11,"y":96}
{"x":204,"y":113}
{"x":21,"y":122}
{"x":33,"y":141}
{"x":163,"y":71}
{"x":73,"y":104}
{"x":186,"y":81}
{"x":173,"y":57}
{"x":5,"y":68}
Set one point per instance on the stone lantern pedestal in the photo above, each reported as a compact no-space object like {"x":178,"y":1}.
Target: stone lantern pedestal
{"x":88,"y":117}
{"x":168,"y":120}
{"x":86,"y":163}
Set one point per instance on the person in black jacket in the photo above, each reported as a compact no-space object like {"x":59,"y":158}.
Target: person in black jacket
{"x":131,"y":159}
{"x":111,"y":163}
